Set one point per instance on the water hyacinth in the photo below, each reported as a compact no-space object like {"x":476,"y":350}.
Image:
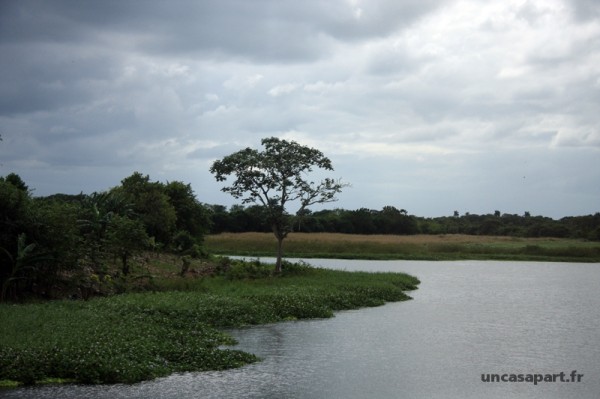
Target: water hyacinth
{"x":140,"y":336}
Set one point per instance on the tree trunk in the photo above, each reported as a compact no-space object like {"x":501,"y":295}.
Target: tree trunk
{"x":278,"y":232}
{"x":279,"y":254}
{"x":125,"y":265}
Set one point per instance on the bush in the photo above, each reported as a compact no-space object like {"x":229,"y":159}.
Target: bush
{"x":242,"y":270}
{"x":183,"y":241}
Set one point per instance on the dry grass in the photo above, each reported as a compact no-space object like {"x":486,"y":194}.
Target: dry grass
{"x":418,"y":239}
{"x":396,"y":239}
{"x":447,"y":246}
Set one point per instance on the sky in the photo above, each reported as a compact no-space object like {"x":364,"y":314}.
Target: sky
{"x":432,"y":106}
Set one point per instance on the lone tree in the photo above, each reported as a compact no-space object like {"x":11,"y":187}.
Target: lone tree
{"x":276,"y":178}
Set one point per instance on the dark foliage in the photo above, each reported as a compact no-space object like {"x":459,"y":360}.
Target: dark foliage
{"x":390,"y":220}
{"x":61,"y":245}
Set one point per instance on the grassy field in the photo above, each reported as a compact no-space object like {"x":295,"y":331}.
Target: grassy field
{"x":418,"y":247}
{"x":175,"y":328}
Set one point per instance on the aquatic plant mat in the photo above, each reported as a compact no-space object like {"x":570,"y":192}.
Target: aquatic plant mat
{"x":410,"y":247}
{"x":140,"y":336}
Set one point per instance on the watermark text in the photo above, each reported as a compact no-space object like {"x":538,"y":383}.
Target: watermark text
{"x":534,"y":378}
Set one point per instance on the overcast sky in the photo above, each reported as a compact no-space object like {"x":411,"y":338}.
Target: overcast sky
{"x":427,"y":105}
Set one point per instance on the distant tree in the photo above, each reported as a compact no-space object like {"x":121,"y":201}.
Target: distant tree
{"x":275,"y":179}
{"x":192,"y":216}
{"x":391,"y":220}
{"x":220,"y":218}
{"x":257,"y":218}
{"x":15,"y":221}
{"x":302,"y":215}
{"x":125,"y":237}
{"x":97,"y":210}
{"x":151,"y":205}
{"x":39,"y":242}
{"x":240,"y":219}
{"x":363,"y":221}
{"x":59,"y":247}
{"x":16,"y":181}
{"x":489,"y":226}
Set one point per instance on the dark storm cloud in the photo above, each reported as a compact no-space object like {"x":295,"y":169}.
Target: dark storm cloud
{"x":50,"y":60}
{"x":270,"y":30}
{"x":46,"y":77}
{"x":56,"y":52}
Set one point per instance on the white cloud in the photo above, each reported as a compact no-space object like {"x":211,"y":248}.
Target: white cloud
{"x":321,"y":87}
{"x":243,"y":82}
{"x":280,"y":90}
{"x":177,"y":69}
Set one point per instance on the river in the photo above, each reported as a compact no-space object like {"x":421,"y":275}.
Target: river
{"x":467,"y":318}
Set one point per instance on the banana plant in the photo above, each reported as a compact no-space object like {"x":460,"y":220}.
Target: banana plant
{"x":102,"y":208}
{"x":25,"y":260}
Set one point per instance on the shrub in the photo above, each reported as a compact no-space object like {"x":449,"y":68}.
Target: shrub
{"x":242,"y":270}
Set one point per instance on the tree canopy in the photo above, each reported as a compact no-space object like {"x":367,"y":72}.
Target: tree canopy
{"x":277,"y":178}
{"x":50,"y":246}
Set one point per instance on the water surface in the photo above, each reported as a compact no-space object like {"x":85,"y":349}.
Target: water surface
{"x":467,"y":318}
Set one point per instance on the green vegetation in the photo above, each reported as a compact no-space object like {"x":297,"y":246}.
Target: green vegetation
{"x":415,"y":247}
{"x":139,"y":336}
{"x":391,"y":220}
{"x":145,"y":299}
{"x":78,"y":246}
{"x":275,"y":179}
{"x":60,"y":246}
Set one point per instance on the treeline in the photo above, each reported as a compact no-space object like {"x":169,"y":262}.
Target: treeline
{"x":62,"y":244}
{"x":76,"y":244}
{"x":391,"y":220}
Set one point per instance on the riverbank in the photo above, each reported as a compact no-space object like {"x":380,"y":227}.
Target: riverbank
{"x":176,"y":328}
{"x":412,"y":247}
